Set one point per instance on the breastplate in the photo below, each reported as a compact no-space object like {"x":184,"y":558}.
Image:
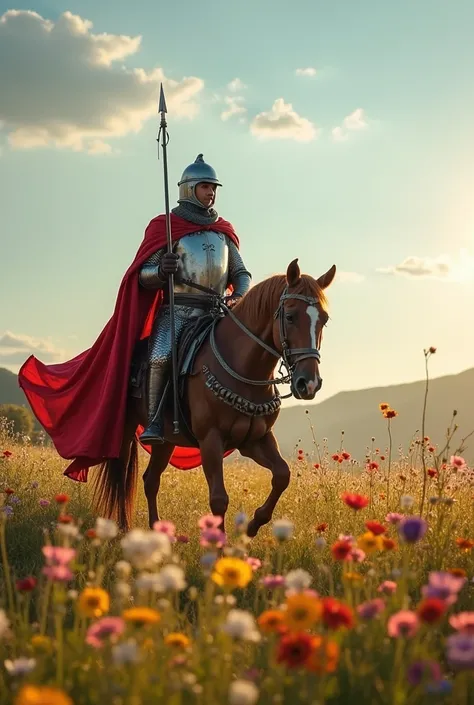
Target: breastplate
{"x":204,"y":259}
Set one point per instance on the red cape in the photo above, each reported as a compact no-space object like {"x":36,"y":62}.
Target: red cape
{"x":81,"y":403}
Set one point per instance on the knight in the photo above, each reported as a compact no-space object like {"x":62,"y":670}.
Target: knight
{"x":208,"y":256}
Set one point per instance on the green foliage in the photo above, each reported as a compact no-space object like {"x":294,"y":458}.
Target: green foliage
{"x":20,"y":418}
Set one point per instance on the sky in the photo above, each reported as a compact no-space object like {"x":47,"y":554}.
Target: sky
{"x":342,"y":133}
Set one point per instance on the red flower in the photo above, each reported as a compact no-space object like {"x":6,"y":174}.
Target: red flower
{"x":431,"y":449}
{"x":431,"y":472}
{"x":355,"y":501}
{"x":65,"y":519}
{"x":294,"y":649}
{"x":372,"y":465}
{"x":382,"y":457}
{"x":388,"y":543}
{"x":7,"y":454}
{"x":322,"y":527}
{"x":340,"y":550}
{"x":26,"y":584}
{"x":431,"y":610}
{"x":376,"y":527}
{"x":9,"y":491}
{"x":62,"y":498}
{"x":335,"y":457}
{"x":346,"y":455}
{"x":336,"y":614}
{"x":317,"y":466}
{"x":90,"y":534}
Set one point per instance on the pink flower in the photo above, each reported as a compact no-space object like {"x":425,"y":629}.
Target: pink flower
{"x":404,"y":623}
{"x":213,"y":537}
{"x":394,"y":517}
{"x":58,"y":555}
{"x":271,"y":582}
{"x":58,"y":573}
{"x":457,"y":462}
{"x":166,"y":527}
{"x":388,"y":587}
{"x":348,"y":538}
{"x":209,"y":521}
{"x":106,"y":627}
{"x":254,"y":563}
{"x":463,"y":622}
{"x":357,"y":555}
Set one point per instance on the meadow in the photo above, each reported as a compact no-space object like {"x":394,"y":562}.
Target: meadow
{"x":360,"y":588}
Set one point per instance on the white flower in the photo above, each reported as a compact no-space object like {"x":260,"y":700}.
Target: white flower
{"x":406,"y":501}
{"x":126,"y":652}
{"x":172,"y":578}
{"x":123,"y":569}
{"x":283,"y":529}
{"x":122,"y":590}
{"x":243,"y":693}
{"x":149,"y":581}
{"x":70,"y":531}
{"x":241,"y":625}
{"x":145,"y":549}
{"x":4,"y":624}
{"x":20,"y":666}
{"x":298,"y":580}
{"x":105,"y":528}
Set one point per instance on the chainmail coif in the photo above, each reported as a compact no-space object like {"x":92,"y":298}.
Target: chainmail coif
{"x":195,"y":214}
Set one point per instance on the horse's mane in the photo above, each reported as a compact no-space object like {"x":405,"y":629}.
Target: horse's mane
{"x":262,"y":299}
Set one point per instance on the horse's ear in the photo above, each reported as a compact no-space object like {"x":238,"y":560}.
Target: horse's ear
{"x":293,"y":274}
{"x":326,"y":279}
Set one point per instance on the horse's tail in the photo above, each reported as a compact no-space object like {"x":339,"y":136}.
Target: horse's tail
{"x":116,"y":485}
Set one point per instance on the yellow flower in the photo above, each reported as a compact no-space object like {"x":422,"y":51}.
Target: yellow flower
{"x":302,"y":611}
{"x":353,"y":578}
{"x":141,"y":616}
{"x":41,"y":643}
{"x":177,"y":640}
{"x":93,"y":602}
{"x":369,"y":543}
{"x":41,"y":695}
{"x":232,"y":572}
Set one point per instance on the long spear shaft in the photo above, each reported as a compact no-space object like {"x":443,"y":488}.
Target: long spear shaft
{"x":174,"y":356}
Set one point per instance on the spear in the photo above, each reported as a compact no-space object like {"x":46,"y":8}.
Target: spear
{"x":174,"y":358}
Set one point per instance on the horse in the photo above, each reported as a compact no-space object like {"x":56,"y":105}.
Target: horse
{"x":230,"y":396}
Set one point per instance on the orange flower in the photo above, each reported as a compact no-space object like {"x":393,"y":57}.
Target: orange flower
{"x":324,"y":656}
{"x":62,"y":498}
{"x":457,"y":572}
{"x":65,"y":519}
{"x":389,"y":544}
{"x":384,"y":406}
{"x":272,"y":622}
{"x":390,"y":413}
{"x":465,"y":544}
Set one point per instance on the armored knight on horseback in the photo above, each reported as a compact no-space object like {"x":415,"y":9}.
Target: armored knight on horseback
{"x":208,"y":258}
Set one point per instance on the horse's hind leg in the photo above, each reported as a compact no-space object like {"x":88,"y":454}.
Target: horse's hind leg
{"x":212,"y":452}
{"x":265,"y":452}
{"x":159,"y":459}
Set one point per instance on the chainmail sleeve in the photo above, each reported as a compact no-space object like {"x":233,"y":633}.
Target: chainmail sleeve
{"x":149,"y":276}
{"x":239,"y":276}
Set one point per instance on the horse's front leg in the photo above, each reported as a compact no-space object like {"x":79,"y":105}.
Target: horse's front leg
{"x":266,"y":453}
{"x":212,"y":455}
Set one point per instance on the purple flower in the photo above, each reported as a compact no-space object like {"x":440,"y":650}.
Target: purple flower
{"x":273,"y":581}
{"x":412,"y":529}
{"x":420,"y":671}
{"x":7,"y":510}
{"x":460,"y":650}
{"x":444,"y":586}
{"x":213,"y":537}
{"x":15,"y":500}
{"x":371,"y":608}
{"x":441,"y":687}
{"x":44,"y":503}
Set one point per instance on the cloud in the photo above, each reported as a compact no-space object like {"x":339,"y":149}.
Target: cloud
{"x":64,"y":86}
{"x":355,"y":121}
{"x":282,"y":122}
{"x":310,"y":72}
{"x":15,"y":348}
{"x":444,"y":267}
{"x":234,"y":106}
{"x":236,"y":85}
{"x":349,"y":277}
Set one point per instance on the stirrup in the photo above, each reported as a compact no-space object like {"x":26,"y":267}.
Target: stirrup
{"x":153,"y":434}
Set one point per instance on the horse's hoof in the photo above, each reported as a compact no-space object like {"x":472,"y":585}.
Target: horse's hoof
{"x":252,"y":529}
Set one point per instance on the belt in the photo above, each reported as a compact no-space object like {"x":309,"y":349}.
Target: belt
{"x":204,"y":301}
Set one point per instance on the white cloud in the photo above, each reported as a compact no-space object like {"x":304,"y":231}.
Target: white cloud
{"x":349,"y":277}
{"x":355,"y":121}
{"x":15,"y":348}
{"x":236,"y":85}
{"x":282,"y":122}
{"x":444,"y":267}
{"x":64,"y":86}
{"x":310,"y":72}
{"x":234,"y":106}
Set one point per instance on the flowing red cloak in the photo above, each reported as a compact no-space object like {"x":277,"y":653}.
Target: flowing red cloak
{"x":81,"y":403}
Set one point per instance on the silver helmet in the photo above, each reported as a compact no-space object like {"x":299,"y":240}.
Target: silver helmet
{"x":194,"y":174}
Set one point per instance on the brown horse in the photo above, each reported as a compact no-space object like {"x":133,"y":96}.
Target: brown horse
{"x":231,"y":396}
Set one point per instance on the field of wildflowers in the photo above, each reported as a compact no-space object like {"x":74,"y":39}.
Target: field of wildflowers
{"x":361,"y":588}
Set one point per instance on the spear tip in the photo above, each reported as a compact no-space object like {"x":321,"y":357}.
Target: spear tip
{"x":162,"y":104}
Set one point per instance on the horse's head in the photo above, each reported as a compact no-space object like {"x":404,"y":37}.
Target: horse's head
{"x":298,"y":329}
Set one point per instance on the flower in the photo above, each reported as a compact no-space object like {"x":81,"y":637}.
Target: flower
{"x":58,"y":555}
{"x":411,"y":529}
{"x":324,"y":655}
{"x":457,"y":462}
{"x":254,"y":563}
{"x":177,"y":640}
{"x":465,"y":544}
{"x":336,"y":614}
{"x":371,"y":608}
{"x":460,"y":650}
{"x":272,"y":582}
{"x":298,"y":579}
{"x":388,"y":544}
{"x":209,"y":521}
{"x":20,"y":666}
{"x":232,"y":572}
{"x":108,"y":627}
{"x":271,"y":621}
{"x":340,"y":550}
{"x":393,"y":517}
{"x":26,"y":584}
{"x":302,"y":611}
{"x":322,"y":527}
{"x":61,"y":498}
{"x":294,"y":649}
{"x":406,"y":501}
{"x":93,"y":602}
{"x":7,"y":454}
{"x":383,"y":406}
{"x":369,"y":543}
{"x":388,"y":587}
{"x":171,"y":578}
{"x":144,"y":549}
{"x":241,"y":625}
{"x":283,"y":529}
{"x":141,"y":616}
{"x":404,"y":623}
{"x":41,"y":695}
{"x":41,"y":644}
{"x":422,"y":671}
{"x":166,"y":527}
{"x":126,"y":652}
{"x":444,"y":586}
{"x":213,"y":537}
{"x":390,"y":413}
{"x":431,"y":609}
{"x":355,"y":501}
{"x":105,"y":529}
{"x":243,"y":692}
{"x":44,"y":502}
{"x":375,"y":527}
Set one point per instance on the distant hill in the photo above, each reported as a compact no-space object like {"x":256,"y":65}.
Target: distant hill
{"x":357,"y":414}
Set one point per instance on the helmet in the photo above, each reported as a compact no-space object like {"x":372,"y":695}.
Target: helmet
{"x":194,"y":174}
